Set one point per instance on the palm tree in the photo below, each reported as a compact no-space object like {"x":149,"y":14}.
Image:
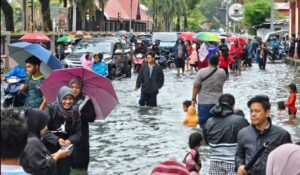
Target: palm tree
{"x":9,"y":15}
{"x":45,"y":7}
{"x":86,"y":7}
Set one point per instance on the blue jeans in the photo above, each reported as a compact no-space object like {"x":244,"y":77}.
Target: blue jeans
{"x":148,"y":99}
{"x":203,"y":113}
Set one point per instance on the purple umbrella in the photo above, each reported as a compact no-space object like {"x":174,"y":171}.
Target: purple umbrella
{"x":99,"y":89}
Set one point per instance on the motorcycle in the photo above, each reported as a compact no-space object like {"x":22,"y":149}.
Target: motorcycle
{"x":137,"y":63}
{"x":166,"y":59}
{"x":13,"y":97}
{"x":277,"y":54}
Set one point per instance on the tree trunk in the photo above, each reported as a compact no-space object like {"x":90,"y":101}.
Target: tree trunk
{"x":65,"y":3}
{"x":185,"y":22}
{"x":153,"y":16}
{"x":8,"y":14}
{"x":78,"y":19}
{"x":24,"y":15}
{"x":178,"y":24}
{"x":45,"y":7}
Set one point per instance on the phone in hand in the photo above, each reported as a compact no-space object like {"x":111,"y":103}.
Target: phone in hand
{"x":69,"y":147}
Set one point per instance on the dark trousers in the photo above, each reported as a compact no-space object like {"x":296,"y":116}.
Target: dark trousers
{"x":226,"y":71}
{"x":262,"y":63}
{"x":63,"y":166}
{"x":148,"y":99}
{"x":249,"y":62}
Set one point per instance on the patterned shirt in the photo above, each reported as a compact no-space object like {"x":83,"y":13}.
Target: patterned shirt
{"x":34,"y":94}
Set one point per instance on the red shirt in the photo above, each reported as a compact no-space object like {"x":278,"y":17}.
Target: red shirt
{"x":189,"y":49}
{"x":291,"y":103}
{"x":236,"y":51}
{"x":223,"y":63}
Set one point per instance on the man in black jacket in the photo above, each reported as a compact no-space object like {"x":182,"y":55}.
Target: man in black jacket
{"x":253,"y":137}
{"x":220,"y":132}
{"x":150,"y":79}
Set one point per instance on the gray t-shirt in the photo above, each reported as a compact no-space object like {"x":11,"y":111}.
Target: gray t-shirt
{"x":212,"y":88}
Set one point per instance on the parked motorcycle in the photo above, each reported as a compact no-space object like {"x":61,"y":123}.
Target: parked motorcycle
{"x":13,"y":97}
{"x":137,"y":63}
{"x":166,"y":59}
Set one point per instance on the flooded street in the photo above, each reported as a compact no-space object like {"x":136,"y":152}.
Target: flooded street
{"x":134,"y":139}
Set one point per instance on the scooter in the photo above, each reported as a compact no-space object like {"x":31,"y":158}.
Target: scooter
{"x":137,"y":63}
{"x":277,"y":54}
{"x":13,"y":97}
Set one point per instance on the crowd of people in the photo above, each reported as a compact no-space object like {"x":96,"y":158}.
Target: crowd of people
{"x":54,"y":138}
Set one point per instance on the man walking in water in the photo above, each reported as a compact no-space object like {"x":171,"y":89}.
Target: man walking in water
{"x":151,"y":79}
{"x":208,"y":86}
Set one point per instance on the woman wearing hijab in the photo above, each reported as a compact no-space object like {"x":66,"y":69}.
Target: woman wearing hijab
{"x":81,"y":153}
{"x":36,"y":159}
{"x":64,"y":126}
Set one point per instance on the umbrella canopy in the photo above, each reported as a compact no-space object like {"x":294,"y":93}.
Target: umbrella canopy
{"x":188,"y":36}
{"x":35,"y":37}
{"x":20,"y":51}
{"x":234,"y":38}
{"x":207,"y":36}
{"x":64,"y":39}
{"x":99,"y":89}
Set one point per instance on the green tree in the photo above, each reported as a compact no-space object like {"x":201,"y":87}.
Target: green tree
{"x":210,"y":9}
{"x":255,"y":13}
{"x":8,"y":15}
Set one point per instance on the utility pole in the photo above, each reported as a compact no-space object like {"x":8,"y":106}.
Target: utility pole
{"x":130,"y":15}
{"x":226,"y":15}
{"x":272,"y":16}
{"x":74,"y":16}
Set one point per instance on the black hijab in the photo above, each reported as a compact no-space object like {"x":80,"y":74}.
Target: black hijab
{"x":36,"y":121}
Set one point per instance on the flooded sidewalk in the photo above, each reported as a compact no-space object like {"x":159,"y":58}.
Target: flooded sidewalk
{"x":134,"y":139}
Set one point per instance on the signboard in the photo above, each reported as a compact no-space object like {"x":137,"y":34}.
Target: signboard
{"x":236,"y":12}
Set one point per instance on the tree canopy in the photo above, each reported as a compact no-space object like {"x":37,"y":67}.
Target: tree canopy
{"x":256,"y":12}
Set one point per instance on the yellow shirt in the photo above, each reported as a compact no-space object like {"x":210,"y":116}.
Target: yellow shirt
{"x":191,"y":118}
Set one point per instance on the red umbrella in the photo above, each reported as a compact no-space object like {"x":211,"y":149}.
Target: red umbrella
{"x":188,"y":36}
{"x":234,"y":38}
{"x":35,"y":37}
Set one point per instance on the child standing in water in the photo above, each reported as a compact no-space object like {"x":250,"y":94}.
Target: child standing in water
{"x":290,"y":104}
{"x":191,"y":118}
{"x":192,"y":159}
{"x":281,"y":112}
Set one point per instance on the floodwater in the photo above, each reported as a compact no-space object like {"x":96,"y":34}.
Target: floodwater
{"x":133,"y":139}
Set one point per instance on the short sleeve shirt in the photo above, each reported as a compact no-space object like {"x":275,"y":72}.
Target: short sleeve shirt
{"x":34,"y":94}
{"x":212,"y":88}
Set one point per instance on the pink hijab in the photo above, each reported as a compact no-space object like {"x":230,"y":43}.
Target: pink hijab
{"x":285,"y":159}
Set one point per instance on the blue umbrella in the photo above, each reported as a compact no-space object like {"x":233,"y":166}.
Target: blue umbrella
{"x":20,"y":51}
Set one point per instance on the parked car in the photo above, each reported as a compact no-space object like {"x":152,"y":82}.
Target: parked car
{"x":116,"y":53}
{"x":166,"y":39}
{"x":144,"y":37}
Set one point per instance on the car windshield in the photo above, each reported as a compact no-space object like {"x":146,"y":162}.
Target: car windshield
{"x":166,"y":37}
{"x":93,"y":47}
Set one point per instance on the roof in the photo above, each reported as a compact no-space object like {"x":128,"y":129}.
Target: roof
{"x":282,"y":6}
{"x":113,"y":7}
